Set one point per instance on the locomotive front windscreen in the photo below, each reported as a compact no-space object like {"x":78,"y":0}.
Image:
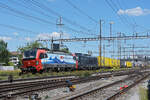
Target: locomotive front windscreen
{"x":30,"y":54}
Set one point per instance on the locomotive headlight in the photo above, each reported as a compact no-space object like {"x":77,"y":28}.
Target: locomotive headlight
{"x":37,"y":62}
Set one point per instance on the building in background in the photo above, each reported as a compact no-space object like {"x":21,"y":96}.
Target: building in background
{"x":14,"y":58}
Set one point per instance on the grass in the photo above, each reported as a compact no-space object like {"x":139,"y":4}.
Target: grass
{"x":143,"y":93}
{"x":82,"y":73}
{"x":6,"y":73}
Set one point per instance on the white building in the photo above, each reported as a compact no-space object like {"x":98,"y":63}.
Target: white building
{"x":14,"y":60}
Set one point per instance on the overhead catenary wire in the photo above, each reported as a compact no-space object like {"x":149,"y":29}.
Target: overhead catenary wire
{"x":136,"y":25}
{"x":2,"y":5}
{"x":114,"y":10}
{"x":81,"y":11}
{"x":18,"y":28}
{"x":26,"y":5}
{"x":21,"y":29}
{"x":36,"y":18}
{"x":10,"y":36}
{"x":46,"y":8}
{"x":126,"y":19}
{"x":123,"y":20}
{"x":119,"y":4}
{"x":11,"y":13}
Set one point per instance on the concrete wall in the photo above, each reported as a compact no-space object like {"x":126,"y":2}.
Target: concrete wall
{"x":6,"y":67}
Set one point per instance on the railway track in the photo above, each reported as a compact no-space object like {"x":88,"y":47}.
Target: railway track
{"x":15,"y":89}
{"x":128,"y":69}
{"x":59,"y":78}
{"x":34,"y":79}
{"x":51,"y":77}
{"x":108,"y":92}
{"x":19,"y":86}
{"x":119,"y":93}
{"x":86,"y":89}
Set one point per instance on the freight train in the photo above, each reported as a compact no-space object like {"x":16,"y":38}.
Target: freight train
{"x":106,"y":62}
{"x":39,"y":60}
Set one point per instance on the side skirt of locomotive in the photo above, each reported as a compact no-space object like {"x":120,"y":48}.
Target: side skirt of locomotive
{"x":68,"y":67}
{"x":28,"y":70}
{"x":59,"y":67}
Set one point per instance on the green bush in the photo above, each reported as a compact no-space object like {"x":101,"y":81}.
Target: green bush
{"x":10,"y":64}
{"x":143,"y":93}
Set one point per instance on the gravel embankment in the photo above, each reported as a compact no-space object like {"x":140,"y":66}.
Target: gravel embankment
{"x":134,"y":93}
{"x":61,"y":92}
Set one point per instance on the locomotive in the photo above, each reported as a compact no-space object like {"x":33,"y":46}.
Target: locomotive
{"x":39,"y":60}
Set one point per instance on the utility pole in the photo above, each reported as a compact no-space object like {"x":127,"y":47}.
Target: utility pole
{"x":124,"y":52}
{"x":100,"y":44}
{"x":133,"y":56}
{"x":46,"y":44}
{"x":60,"y":24}
{"x":119,"y":46}
{"x":111,"y":36}
{"x":113,"y":49}
{"x":104,"y":53}
{"x":52,"y":44}
{"x":111,"y":28}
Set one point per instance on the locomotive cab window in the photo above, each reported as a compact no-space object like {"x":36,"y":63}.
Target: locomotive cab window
{"x":45,"y":56}
{"x":75,"y":58}
{"x":41,"y":56}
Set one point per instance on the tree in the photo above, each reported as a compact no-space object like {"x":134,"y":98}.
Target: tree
{"x":4,"y":53}
{"x":3,"y":45}
{"x":65,"y":50}
{"x":29,"y":46}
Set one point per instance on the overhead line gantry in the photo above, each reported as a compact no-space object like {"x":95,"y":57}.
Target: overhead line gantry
{"x":98,"y":38}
